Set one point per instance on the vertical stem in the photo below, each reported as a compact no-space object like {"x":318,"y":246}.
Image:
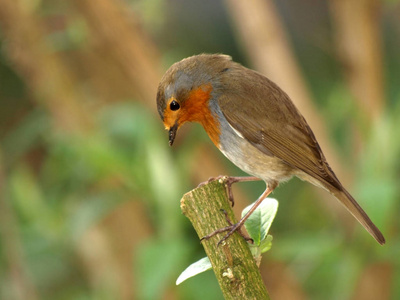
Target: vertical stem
{"x":22,"y":288}
{"x":232,"y":261}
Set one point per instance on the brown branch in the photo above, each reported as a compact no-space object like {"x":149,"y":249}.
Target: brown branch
{"x":126,"y":43}
{"x":232,"y":261}
{"x":41,"y":67}
{"x":359,"y":46}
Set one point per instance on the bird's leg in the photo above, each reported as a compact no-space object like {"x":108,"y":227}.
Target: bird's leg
{"x":229,"y":180}
{"x":237,"y":227}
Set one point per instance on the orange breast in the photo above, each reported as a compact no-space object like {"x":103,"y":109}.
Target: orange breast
{"x":196,"y":109}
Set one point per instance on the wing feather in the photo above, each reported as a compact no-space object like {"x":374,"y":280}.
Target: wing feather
{"x":263,"y":114}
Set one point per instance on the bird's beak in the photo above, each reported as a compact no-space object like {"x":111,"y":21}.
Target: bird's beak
{"x":172,"y":133}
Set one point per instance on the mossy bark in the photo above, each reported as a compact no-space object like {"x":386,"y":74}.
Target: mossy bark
{"x":232,"y":261}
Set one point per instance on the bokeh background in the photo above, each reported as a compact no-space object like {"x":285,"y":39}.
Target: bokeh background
{"x":90,"y":189}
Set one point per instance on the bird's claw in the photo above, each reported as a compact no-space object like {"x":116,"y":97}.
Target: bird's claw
{"x":228,"y":183}
{"x":221,"y":178}
{"x":231,"y":229}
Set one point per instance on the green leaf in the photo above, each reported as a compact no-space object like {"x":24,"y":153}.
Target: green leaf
{"x":259,"y":222}
{"x":198,"y":267}
{"x":266,"y":244}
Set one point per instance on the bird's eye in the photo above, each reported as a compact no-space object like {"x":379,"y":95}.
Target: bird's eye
{"x":174,"y":105}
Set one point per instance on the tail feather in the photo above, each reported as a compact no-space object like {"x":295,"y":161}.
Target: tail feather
{"x":355,"y":209}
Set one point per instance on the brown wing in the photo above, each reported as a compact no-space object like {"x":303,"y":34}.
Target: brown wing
{"x":265,"y":116}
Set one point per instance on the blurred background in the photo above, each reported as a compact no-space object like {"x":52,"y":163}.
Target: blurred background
{"x":90,"y":189}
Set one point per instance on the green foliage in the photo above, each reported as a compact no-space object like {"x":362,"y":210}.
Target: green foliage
{"x":81,"y":181}
{"x":157,"y":262}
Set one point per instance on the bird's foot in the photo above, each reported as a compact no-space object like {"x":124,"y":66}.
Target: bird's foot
{"x":229,"y":181}
{"x":220,"y":177}
{"x":230,"y":229}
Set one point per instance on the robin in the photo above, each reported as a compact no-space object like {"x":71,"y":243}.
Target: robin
{"x":253,"y":123}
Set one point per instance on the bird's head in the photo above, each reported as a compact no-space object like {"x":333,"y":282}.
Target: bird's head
{"x":185,"y":91}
